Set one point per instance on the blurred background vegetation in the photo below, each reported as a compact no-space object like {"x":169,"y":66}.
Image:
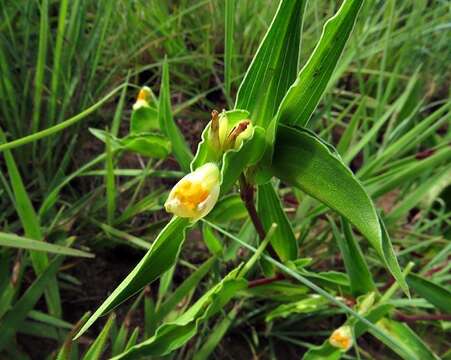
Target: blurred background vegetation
{"x":58,"y":58}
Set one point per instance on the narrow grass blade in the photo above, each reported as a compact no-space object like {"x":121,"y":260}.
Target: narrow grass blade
{"x":189,"y":285}
{"x":17,"y":314}
{"x":355,"y":264}
{"x":216,"y":335}
{"x":304,"y":95}
{"x":59,"y":127}
{"x":274,"y":66}
{"x":228,"y":44}
{"x":19,"y":242}
{"x":97,"y":348}
{"x":32,"y":228}
{"x":437,"y":295}
{"x":181,"y":150}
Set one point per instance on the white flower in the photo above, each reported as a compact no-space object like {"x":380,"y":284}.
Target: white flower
{"x":195,"y":195}
{"x":342,"y":338}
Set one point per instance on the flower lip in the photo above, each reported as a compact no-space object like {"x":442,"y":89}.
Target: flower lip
{"x":143,"y":98}
{"x":195,"y":195}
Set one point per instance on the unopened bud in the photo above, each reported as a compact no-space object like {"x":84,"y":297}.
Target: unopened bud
{"x":143,"y":99}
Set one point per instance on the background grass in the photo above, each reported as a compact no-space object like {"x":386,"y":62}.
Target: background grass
{"x":57,"y":58}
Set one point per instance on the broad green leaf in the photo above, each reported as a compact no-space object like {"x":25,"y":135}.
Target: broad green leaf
{"x":15,"y":241}
{"x":17,"y":314}
{"x":179,"y":147}
{"x":160,"y":257}
{"x":228,"y":209}
{"x":189,"y":285}
{"x":281,"y":291}
{"x":271,"y":211}
{"x":148,"y":144}
{"x":102,"y":135}
{"x":311,"y":304}
{"x":274,"y":66}
{"x":145,"y":143}
{"x":214,"y":245}
{"x":173,"y":335}
{"x":323,"y":352}
{"x":304,"y":95}
{"x":408,"y":344}
{"x":436,"y":294}
{"x":356,"y":267}
{"x":307,"y":162}
{"x":98,"y":346}
{"x":144,"y":119}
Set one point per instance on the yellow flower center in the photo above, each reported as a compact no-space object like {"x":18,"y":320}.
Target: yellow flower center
{"x":190,"y":194}
{"x":143,"y":94}
{"x":341,"y":340}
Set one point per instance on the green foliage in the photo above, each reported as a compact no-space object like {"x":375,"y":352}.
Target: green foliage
{"x":369,"y":79}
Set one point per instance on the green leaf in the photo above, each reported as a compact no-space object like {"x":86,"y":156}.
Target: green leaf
{"x":271,"y":211}
{"x":98,"y":346}
{"x":179,"y":147}
{"x":307,"y":162}
{"x":355,"y":264}
{"x":227,"y":209}
{"x":66,"y":349}
{"x":305,"y":306}
{"x":32,"y":227}
{"x":173,"y":335}
{"x":161,"y":256}
{"x":216,"y":335}
{"x":17,"y":314}
{"x":214,"y":245}
{"x":133,"y":338}
{"x":408,"y":344}
{"x":229,"y":24}
{"x":15,"y":241}
{"x":304,"y":95}
{"x":148,"y":144}
{"x":274,"y":66}
{"x":144,"y":119}
{"x":103,"y":135}
{"x":184,"y":289}
{"x":323,"y":352}
{"x":437,"y":295}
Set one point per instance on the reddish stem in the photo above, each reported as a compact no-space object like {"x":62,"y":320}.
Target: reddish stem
{"x":424,"y":317}
{"x":265,"y":281}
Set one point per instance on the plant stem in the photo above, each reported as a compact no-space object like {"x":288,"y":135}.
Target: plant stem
{"x":247,"y":195}
{"x":424,"y":317}
{"x":265,"y":281}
